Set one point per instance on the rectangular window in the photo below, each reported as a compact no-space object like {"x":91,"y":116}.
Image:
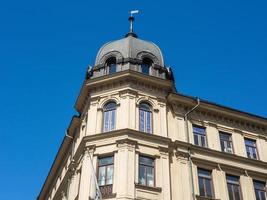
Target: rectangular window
{"x":146,"y":171}
{"x":233,"y":186}
{"x":200,"y":136}
{"x":260,"y":190}
{"x":105,"y":175}
{"x":226,"y":142}
{"x":112,"y":68}
{"x":205,"y":183}
{"x":251,"y":148}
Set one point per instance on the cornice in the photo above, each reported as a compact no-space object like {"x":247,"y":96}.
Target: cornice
{"x":217,"y":114}
{"x":182,"y":146}
{"x":122,"y":78}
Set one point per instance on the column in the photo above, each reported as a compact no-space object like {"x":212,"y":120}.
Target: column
{"x":126,"y":169}
{"x":86,"y":174}
{"x":165,"y":173}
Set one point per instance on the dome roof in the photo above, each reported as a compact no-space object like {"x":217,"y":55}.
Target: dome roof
{"x":130,"y":47}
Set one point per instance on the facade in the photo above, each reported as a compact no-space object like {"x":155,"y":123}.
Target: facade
{"x":140,"y":139}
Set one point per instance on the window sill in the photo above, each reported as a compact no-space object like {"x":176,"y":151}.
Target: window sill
{"x":205,"y":198}
{"x":154,"y":189}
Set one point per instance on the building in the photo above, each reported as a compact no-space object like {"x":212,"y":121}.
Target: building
{"x":143,"y":140}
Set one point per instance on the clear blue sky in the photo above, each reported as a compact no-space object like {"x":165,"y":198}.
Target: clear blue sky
{"x":217,"y":49}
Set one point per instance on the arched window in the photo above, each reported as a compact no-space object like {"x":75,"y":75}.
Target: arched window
{"x":109,"y":123}
{"x":145,"y":118}
{"x":145,"y":66}
{"x":111,"y":65}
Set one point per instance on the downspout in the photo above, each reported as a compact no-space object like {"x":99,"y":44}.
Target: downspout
{"x":189,"y":149}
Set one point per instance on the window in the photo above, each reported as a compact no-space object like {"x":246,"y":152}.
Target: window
{"x":251,"y":148}
{"x":146,"y":171}
{"x":109,"y":116}
{"x":145,"y":66}
{"x":233,"y":187}
{"x":226,"y":142}
{"x":260,"y":190}
{"x":145,"y":118}
{"x":200,"y":136}
{"x":105,"y":175}
{"x":111,"y":64}
{"x":205,"y":183}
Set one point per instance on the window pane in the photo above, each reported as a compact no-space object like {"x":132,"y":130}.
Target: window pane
{"x":263,"y":195}
{"x":204,"y":173}
{"x":199,"y":130}
{"x":113,"y":120}
{"x":232,"y":179}
{"x":237,"y":192}
{"x":112,"y":68}
{"x":101,"y":176}
{"x":150,"y":176}
{"x":196,"y":139}
{"x":145,"y":68}
{"x":222,"y":145}
{"x":203,"y":141}
{"x":201,"y":187}
{"x":146,"y":161}
{"x":208,"y":187}
{"x":141,"y":120}
{"x":259,"y":185}
{"x":142,"y":179}
{"x":230,"y":192}
{"x":144,"y":106}
{"x":148,"y":122}
{"x":105,"y":160}
{"x":106,"y":121}
{"x":110,"y":106}
{"x":109,"y":177}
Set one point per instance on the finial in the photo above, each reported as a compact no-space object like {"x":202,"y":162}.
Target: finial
{"x":131,"y":20}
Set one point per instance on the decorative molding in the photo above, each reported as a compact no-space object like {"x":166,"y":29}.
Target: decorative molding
{"x":144,"y":187}
{"x":126,"y":143}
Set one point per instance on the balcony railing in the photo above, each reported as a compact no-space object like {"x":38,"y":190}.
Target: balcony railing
{"x":106,"y":191}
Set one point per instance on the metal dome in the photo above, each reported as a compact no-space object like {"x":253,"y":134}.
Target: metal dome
{"x":130,"y":47}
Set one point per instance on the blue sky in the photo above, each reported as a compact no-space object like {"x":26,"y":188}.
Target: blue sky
{"x":217,"y":50}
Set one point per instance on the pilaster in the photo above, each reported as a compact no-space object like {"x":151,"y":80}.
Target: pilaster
{"x":165,"y":173}
{"x":126,"y":163}
{"x":86,"y":175}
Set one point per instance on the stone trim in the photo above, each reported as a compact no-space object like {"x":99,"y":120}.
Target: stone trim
{"x":144,"y":187}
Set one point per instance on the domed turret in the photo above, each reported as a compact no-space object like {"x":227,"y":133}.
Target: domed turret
{"x":130,"y":53}
{"x":130,"y":48}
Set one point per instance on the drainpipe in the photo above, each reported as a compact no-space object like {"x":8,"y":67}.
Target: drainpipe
{"x":189,"y":150}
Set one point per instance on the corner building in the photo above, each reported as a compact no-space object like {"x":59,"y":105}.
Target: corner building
{"x":143,"y":140}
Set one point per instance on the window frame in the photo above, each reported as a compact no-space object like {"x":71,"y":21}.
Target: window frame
{"x":251,"y":147}
{"x":146,"y":112}
{"x":264,"y":190}
{"x":106,"y":186}
{"x":199,"y":136}
{"x":146,"y":165}
{"x":230,"y":141}
{"x":110,"y":64}
{"x":146,"y":63}
{"x":206,"y":178}
{"x":109,"y":110}
{"x":234,"y":184}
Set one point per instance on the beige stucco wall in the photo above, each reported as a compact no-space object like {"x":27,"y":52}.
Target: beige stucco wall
{"x":173,"y":172}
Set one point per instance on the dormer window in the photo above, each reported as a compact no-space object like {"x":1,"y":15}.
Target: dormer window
{"x":145,"y":66}
{"x":111,"y":65}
